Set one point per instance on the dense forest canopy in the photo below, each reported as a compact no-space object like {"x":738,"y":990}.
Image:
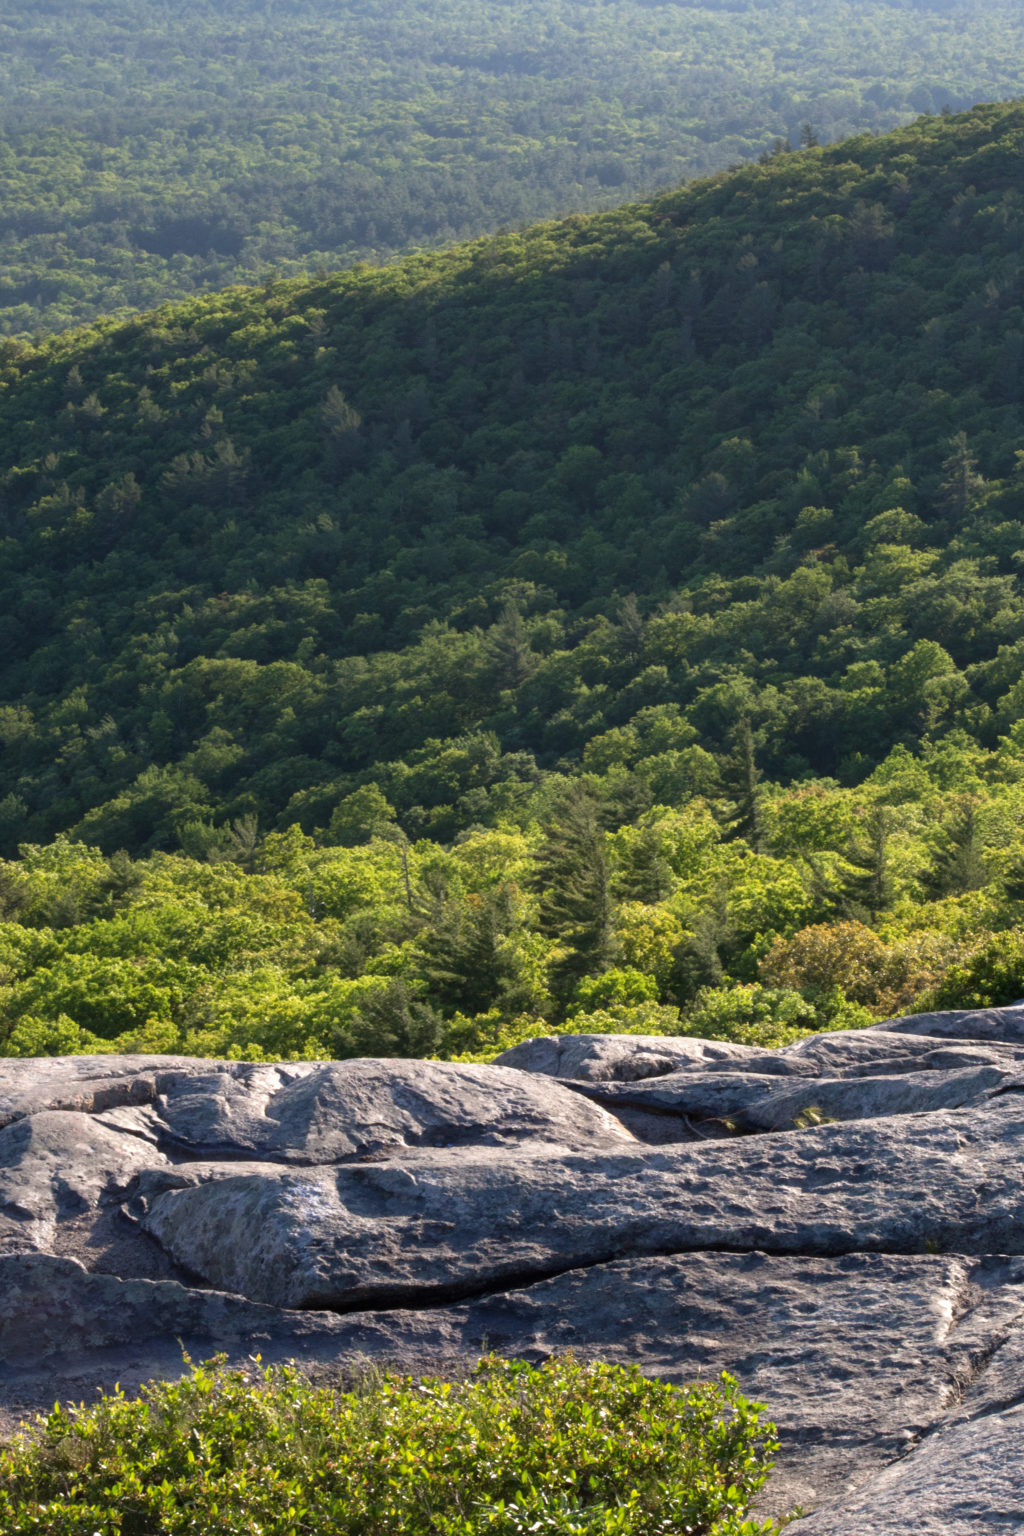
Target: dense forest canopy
{"x":152,"y":150}
{"x":583,"y":624}
{"x":750,"y":450}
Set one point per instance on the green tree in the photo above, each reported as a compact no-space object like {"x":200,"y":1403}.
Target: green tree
{"x":961,"y":481}
{"x":390,"y":1021}
{"x":958,"y":863}
{"x":361,"y":815}
{"x":508,"y":649}
{"x":644,"y":872}
{"x":470,"y":959}
{"x":573,"y":884}
{"x":741,"y":778}
{"x":866,"y":883}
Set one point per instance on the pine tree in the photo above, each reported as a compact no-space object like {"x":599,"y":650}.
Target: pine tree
{"x":245,"y":842}
{"x":742,"y":779}
{"x":398,"y":838}
{"x":698,"y":960}
{"x":342,"y":425}
{"x":959,"y":863}
{"x":645,"y":874}
{"x":391,"y":1022}
{"x":124,"y":876}
{"x":572,"y":879}
{"x":867,"y":885}
{"x":508,"y":647}
{"x":632,"y":627}
{"x":468,"y":961}
{"x":961,"y":481}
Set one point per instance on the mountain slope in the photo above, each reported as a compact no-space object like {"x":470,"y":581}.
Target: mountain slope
{"x":261,"y":546}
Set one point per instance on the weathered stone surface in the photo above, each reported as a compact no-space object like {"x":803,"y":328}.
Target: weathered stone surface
{"x":55,"y":1311}
{"x":357,"y":1109}
{"x":1005,"y":1025}
{"x":83,"y":1083}
{"x":871,"y":1098}
{"x":313,"y":1112}
{"x":887,"y":1048}
{"x":965,"y":1481}
{"x":758,"y":1103}
{"x":864,"y":1278}
{"x":57,"y":1167}
{"x":618,"y":1058}
{"x":383,"y":1234}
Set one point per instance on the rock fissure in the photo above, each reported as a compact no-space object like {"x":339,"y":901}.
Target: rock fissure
{"x":512,"y":1282}
{"x":645,"y":1107}
{"x":978,"y":1363}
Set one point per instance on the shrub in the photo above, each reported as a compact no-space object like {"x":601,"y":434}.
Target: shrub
{"x":990,"y":978}
{"x":572,"y":1449}
{"x":883,"y":977}
{"x":616,"y":988}
{"x":644,"y":1018}
{"x":749,"y":1014}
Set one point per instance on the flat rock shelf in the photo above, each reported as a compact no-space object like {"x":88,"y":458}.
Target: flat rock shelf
{"x":839,"y":1224}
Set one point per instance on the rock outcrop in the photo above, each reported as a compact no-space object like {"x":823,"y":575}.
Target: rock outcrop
{"x":839,"y":1224}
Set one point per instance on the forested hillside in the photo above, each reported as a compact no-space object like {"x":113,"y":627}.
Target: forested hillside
{"x":582,"y":624}
{"x":151,"y":150}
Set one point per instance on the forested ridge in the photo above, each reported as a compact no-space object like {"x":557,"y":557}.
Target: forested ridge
{"x":152,"y":151}
{"x":574,"y":627}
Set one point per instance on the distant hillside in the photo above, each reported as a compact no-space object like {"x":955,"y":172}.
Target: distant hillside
{"x":601,"y":491}
{"x":152,"y":151}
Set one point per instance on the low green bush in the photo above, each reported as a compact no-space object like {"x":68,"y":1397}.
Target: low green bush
{"x":990,"y":978}
{"x":566,"y":1449}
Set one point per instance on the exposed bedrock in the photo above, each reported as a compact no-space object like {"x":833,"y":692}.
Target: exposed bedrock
{"x":432,"y":1226}
{"x":839,"y":1224}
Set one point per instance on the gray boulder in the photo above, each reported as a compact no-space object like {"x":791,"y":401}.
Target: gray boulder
{"x":83,"y":1083}
{"x":434,"y":1227}
{"x":874,"y":1097}
{"x":58,"y":1169}
{"x":323,"y":1113}
{"x":960,"y":1482}
{"x":758,"y":1103}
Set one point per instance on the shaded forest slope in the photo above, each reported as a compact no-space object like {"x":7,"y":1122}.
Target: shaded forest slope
{"x":749,"y":452}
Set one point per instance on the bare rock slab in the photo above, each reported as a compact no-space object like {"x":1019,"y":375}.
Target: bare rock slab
{"x":57,"y":1167}
{"x":306,"y":1112}
{"x":1002,"y":1025}
{"x":863,"y":1278}
{"x":619,"y":1058}
{"x":965,"y":1481}
{"x":755,"y":1102}
{"x":392,"y":1233}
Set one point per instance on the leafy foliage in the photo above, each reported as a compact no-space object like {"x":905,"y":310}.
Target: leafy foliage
{"x":591,"y":512}
{"x":566,"y":1448}
{"x":616,"y":624}
{"x":299,"y":948}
